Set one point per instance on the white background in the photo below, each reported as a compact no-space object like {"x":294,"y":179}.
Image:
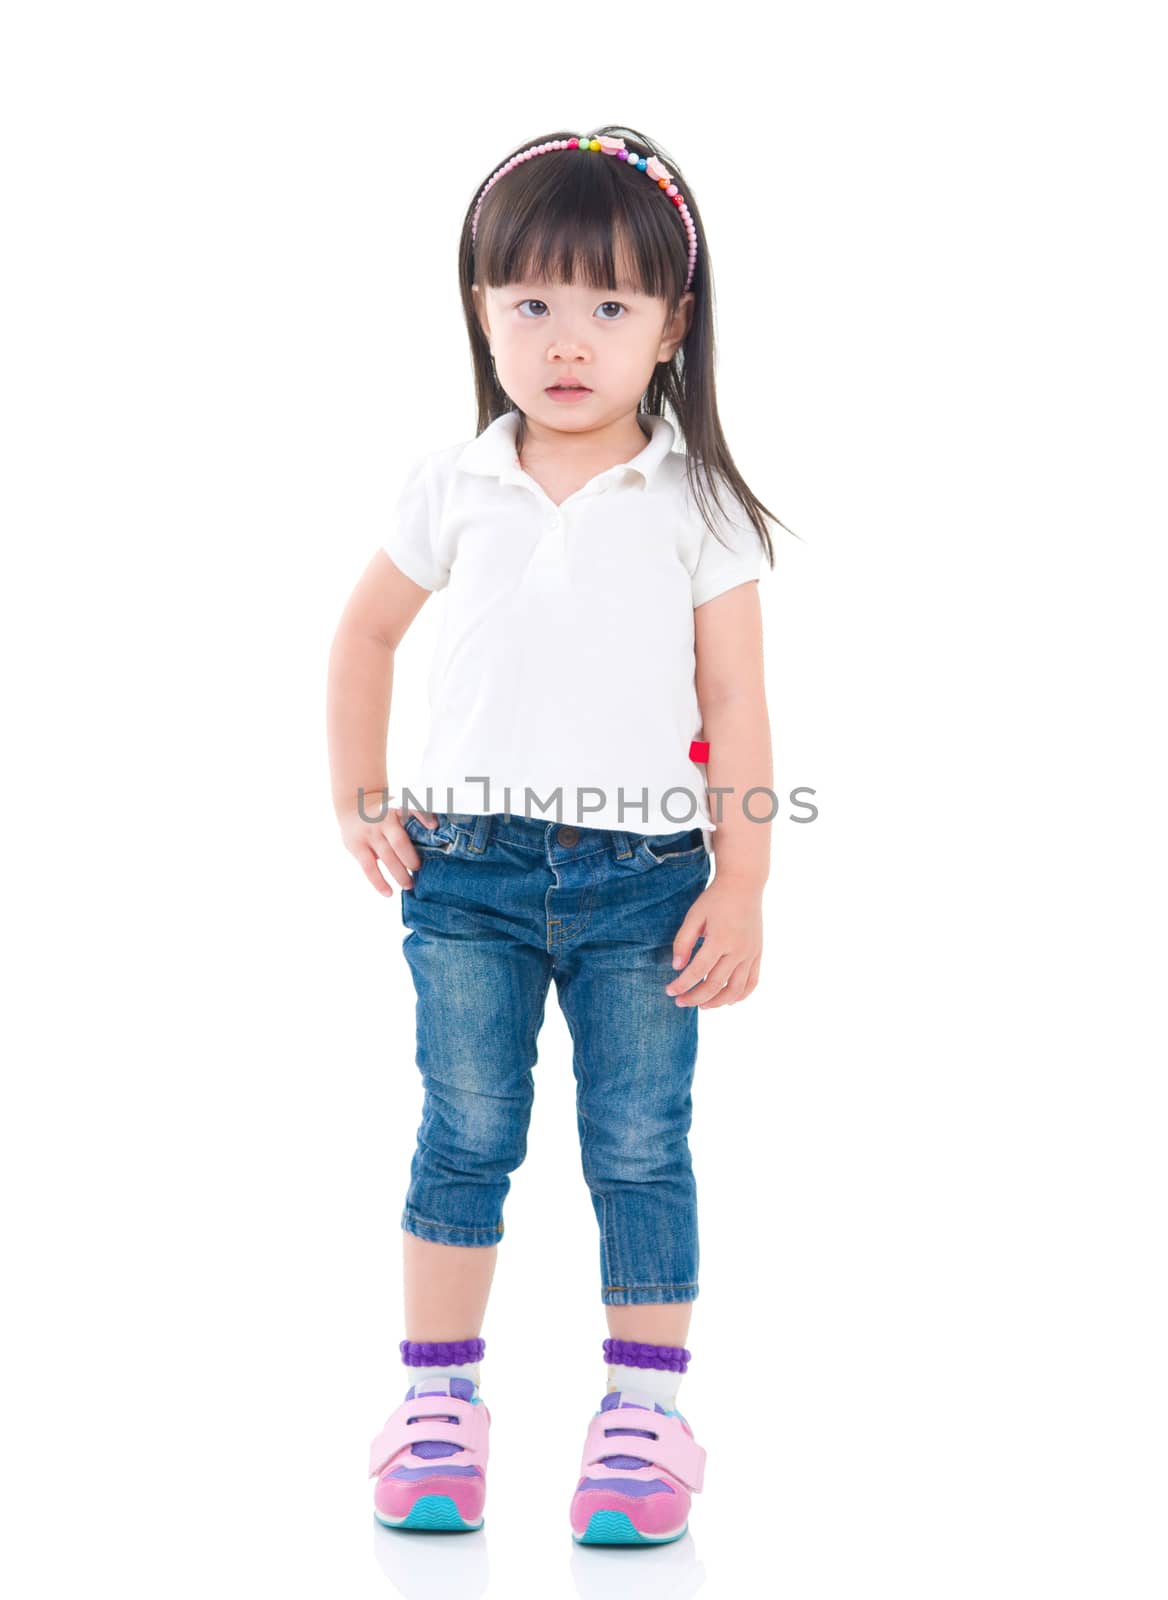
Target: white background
{"x":930,"y":1148}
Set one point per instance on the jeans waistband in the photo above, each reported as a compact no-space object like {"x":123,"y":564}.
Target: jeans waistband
{"x":537,"y":833}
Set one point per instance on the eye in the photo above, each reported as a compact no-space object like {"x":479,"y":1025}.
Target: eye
{"x":616,"y":304}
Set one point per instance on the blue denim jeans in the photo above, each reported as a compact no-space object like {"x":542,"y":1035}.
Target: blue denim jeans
{"x":499,"y":907}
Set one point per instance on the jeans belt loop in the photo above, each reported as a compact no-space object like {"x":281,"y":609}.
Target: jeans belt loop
{"x":620,"y":844}
{"x":481,"y":835}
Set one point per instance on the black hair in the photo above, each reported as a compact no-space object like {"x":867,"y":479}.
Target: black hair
{"x":565,"y":220}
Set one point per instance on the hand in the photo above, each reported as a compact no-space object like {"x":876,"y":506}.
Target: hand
{"x":383,"y":840}
{"x":728,"y":918}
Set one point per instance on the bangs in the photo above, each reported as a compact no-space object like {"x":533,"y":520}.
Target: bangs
{"x":586,"y":219}
{"x":571,"y":218}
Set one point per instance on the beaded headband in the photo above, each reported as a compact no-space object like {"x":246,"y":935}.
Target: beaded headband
{"x":610,"y":147}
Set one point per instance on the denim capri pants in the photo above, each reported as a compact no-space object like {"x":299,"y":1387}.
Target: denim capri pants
{"x":499,"y":907}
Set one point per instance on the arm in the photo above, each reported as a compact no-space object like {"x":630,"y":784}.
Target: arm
{"x":360,"y":691}
{"x":731,"y":692}
{"x":727,"y":915}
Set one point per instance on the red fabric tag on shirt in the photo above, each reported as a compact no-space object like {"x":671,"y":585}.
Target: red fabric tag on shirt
{"x":699,"y":750}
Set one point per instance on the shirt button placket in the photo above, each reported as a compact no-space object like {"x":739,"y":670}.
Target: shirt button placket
{"x":553,"y":557}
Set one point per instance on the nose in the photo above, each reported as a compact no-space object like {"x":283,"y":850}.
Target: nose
{"x":565,"y":348}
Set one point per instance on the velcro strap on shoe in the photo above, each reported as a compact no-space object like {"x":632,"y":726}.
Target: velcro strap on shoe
{"x":674,"y":1449}
{"x":426,"y":1418}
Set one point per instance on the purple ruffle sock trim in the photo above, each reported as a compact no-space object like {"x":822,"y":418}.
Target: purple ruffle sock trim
{"x":448,"y":1353}
{"x":628,"y":1353}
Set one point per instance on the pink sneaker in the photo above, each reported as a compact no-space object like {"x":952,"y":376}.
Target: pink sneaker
{"x":638,"y":1473}
{"x":430,"y":1460}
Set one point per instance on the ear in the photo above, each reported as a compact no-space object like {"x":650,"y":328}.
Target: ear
{"x":677,"y":327}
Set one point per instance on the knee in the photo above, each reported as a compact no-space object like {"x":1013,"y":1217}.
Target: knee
{"x":475,"y":1131}
{"x":625,"y":1153}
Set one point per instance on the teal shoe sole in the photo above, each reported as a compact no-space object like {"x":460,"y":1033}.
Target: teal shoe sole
{"x":434,"y":1513}
{"x":614,"y":1527}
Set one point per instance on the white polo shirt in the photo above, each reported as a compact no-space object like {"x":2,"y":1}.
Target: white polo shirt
{"x":562,"y":683}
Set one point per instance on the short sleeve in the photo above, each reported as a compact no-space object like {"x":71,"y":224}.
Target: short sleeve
{"x":720,"y":568}
{"x":412,"y":540}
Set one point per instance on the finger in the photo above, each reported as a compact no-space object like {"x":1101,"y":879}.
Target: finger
{"x":717,"y":982}
{"x":698,"y":964}
{"x":405,"y":851}
{"x":367,"y":861}
{"x":394,"y":864}
{"x":734,"y":990}
{"x":686,"y":937}
{"x":400,"y":842}
{"x":710,"y":985}
{"x":428,"y":819}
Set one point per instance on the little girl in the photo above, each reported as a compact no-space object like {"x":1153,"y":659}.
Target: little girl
{"x":601,"y":613}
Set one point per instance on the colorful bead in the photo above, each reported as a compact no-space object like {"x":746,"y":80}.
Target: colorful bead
{"x":607,"y":144}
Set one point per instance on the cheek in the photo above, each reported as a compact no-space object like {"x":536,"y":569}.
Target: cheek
{"x":640,"y":354}
{"x":515,"y":341}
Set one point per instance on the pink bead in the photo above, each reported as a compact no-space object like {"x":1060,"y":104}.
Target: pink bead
{"x":655,"y":170}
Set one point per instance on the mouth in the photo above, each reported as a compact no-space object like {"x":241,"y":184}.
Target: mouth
{"x":557,"y":388}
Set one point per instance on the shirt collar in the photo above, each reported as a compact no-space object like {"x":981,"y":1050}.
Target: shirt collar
{"x":492,"y":452}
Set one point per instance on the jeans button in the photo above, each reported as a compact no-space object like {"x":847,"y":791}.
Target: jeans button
{"x":568,"y":837}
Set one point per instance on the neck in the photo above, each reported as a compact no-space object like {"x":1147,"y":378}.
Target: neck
{"x":620,"y":441}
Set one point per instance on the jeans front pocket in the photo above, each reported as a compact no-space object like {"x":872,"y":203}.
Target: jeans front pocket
{"x":688,"y":844}
{"x":443,"y":838}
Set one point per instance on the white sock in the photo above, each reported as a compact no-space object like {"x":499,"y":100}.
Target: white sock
{"x":663,"y":1386}
{"x":420,"y":1376}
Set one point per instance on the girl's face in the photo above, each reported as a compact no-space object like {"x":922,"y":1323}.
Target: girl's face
{"x":546,"y":334}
